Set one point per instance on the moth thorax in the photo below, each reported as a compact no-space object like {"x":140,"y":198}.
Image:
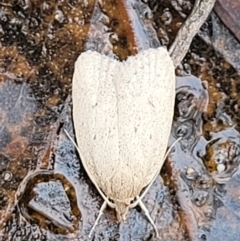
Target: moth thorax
{"x":122,"y":209}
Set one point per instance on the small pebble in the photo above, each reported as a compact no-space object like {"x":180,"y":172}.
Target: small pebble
{"x":221,"y":168}
{"x":7,"y":176}
{"x":191,"y":174}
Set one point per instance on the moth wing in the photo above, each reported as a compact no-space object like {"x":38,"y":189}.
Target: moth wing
{"x":146,"y":95}
{"x":95,"y":115}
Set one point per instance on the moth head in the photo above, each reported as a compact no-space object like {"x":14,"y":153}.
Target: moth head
{"x":122,"y":209}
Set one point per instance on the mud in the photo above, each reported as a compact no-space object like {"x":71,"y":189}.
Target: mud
{"x":45,"y":194}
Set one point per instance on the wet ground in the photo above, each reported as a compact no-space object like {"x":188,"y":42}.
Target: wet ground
{"x":45,"y":193}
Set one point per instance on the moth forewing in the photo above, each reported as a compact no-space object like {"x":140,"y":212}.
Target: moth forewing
{"x":146,"y":95}
{"x":122,"y":116}
{"x":94,"y":114}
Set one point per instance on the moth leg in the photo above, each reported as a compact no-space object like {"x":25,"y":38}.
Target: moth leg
{"x":139,"y":198}
{"x":99,"y":216}
{"x":143,"y":207}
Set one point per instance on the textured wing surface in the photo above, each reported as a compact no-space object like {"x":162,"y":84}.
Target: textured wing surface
{"x":146,"y":94}
{"x":95,"y":115}
{"x":122,"y":116}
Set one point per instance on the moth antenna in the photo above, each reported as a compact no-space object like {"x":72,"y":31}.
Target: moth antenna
{"x":70,"y":138}
{"x":99,"y":216}
{"x":171,"y":147}
{"x":143,"y":207}
{"x":150,"y":184}
{"x":98,"y":188}
{"x":139,"y":201}
{"x":110,"y":204}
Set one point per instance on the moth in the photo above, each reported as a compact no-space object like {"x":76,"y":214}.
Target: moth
{"x":122,"y":113}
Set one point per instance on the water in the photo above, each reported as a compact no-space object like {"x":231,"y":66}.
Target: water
{"x":45,"y":194}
